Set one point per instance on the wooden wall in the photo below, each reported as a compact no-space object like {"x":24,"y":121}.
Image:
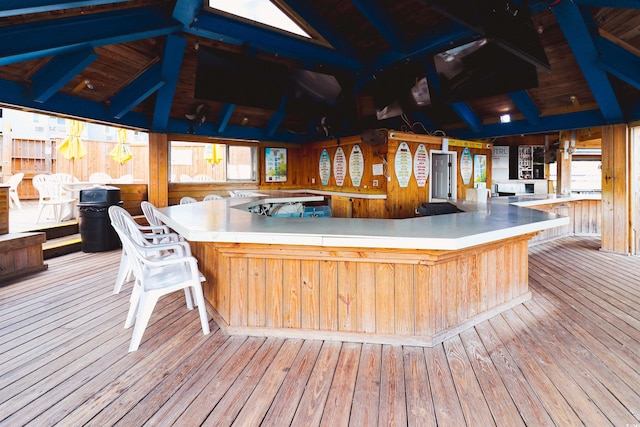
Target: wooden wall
{"x":585,"y":218}
{"x":4,"y":210}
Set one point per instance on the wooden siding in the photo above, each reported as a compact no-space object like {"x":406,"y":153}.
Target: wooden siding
{"x":585,"y":218}
{"x":361,"y":294}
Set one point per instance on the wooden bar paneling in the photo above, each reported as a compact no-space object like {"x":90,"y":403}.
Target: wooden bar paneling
{"x":615,"y":189}
{"x":4,"y":210}
{"x":361,"y":294}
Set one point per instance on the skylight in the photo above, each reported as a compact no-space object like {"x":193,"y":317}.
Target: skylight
{"x":262,"y":11}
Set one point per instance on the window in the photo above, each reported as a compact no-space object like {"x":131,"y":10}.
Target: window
{"x":207,"y":162}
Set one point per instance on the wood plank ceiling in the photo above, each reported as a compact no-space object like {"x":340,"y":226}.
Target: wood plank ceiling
{"x":134,"y":64}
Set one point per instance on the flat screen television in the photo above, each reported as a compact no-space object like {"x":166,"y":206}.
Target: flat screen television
{"x":240,"y":79}
{"x":480,"y":69}
{"x":504,"y":23}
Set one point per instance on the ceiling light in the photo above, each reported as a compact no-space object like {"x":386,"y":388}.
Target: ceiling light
{"x":505,"y":118}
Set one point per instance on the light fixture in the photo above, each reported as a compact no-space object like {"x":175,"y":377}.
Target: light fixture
{"x":89,"y":85}
{"x":505,"y":118}
{"x":540,"y":28}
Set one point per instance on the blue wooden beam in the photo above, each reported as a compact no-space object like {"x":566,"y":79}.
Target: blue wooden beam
{"x":225,"y":116}
{"x":171,"y":64}
{"x":379,"y":18}
{"x":526,"y":106}
{"x":236,"y":132}
{"x":277,"y":117}
{"x":136,"y":92}
{"x":618,"y":61}
{"x":39,"y":39}
{"x":23,"y":7}
{"x":58,"y":72}
{"x":469,"y":116}
{"x":232,"y":31}
{"x":12,"y":93}
{"x":185,"y":11}
{"x":576,"y":32}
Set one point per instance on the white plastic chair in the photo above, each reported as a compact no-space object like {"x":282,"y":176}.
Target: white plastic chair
{"x":147,"y":236}
{"x":50,"y":196}
{"x":187,"y":200}
{"x":185,"y":178}
{"x":243,"y":193}
{"x":13,"y":182}
{"x":212,"y":197}
{"x":100,"y":178}
{"x":124,"y":179}
{"x":202,"y":178}
{"x":157,"y":277}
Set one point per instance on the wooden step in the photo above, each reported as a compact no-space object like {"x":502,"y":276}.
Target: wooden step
{"x":57,"y":230}
{"x":61,"y":246}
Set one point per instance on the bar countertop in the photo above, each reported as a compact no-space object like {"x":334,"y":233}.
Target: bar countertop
{"x":229,"y":220}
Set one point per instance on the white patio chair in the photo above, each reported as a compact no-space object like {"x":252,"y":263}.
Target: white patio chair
{"x":243,"y":193}
{"x":185,"y":178}
{"x":202,"y":178}
{"x":13,"y":182}
{"x":147,"y":235}
{"x":49,"y":192}
{"x":157,"y":277}
{"x":212,"y":197}
{"x":187,"y":200}
{"x":100,"y":178}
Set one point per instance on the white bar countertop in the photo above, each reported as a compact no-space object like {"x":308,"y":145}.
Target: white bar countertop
{"x":228,"y":220}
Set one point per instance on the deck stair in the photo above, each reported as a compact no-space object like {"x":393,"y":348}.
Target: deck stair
{"x":62,"y":239}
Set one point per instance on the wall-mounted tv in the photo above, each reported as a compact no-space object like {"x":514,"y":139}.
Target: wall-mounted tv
{"x":482,"y":68}
{"x":240,"y":79}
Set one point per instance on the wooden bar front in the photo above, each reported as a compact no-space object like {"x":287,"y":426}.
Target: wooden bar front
{"x":395,"y":296}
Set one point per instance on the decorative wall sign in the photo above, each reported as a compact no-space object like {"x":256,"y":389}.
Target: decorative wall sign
{"x":421,"y":165}
{"x":356,"y":165}
{"x":339,"y":166}
{"x":276,"y":164}
{"x":480,"y":171}
{"x":403,"y":164}
{"x":466,"y":166}
{"x":325,"y":167}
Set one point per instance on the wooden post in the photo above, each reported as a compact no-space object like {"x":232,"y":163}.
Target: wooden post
{"x":616,"y":218}
{"x":634,"y":174}
{"x":7,"y":152}
{"x":158,"y":169}
{"x":563,"y":184}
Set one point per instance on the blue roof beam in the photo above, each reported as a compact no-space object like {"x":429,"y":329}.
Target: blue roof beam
{"x":136,"y":92}
{"x":56,"y":73}
{"x":618,"y":61}
{"x":577,"y":33}
{"x":277,"y":117}
{"x":23,"y":7}
{"x":171,"y":62}
{"x":526,"y":106}
{"x":467,"y":115}
{"x":622,"y":4}
{"x":225,"y":116}
{"x":379,"y":18}
{"x":39,"y":39}
{"x":232,"y":31}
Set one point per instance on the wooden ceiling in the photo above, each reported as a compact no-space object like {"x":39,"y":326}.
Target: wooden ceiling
{"x":134,"y":64}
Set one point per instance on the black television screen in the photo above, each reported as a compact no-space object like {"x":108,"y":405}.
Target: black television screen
{"x":240,"y":79}
{"x":482,"y":68}
{"x":503,"y":22}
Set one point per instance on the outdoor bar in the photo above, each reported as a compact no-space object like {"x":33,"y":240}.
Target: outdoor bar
{"x":414,"y":281}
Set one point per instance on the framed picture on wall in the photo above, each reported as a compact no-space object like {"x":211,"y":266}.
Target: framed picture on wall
{"x":275,"y":164}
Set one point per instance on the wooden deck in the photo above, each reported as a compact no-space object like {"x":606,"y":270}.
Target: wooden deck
{"x":570,"y":356}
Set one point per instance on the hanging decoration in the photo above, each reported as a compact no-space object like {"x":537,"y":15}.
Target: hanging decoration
{"x":120,"y":152}
{"x":72,"y":147}
{"x":213,"y":153}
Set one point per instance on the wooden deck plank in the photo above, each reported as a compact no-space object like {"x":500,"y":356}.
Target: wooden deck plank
{"x":570,"y":356}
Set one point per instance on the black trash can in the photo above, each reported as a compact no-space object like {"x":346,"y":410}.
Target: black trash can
{"x":94,"y":223}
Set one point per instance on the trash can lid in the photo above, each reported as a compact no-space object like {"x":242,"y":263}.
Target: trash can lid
{"x":100,"y":194}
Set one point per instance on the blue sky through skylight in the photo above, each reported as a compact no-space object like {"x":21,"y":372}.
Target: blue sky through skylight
{"x":262,"y":11}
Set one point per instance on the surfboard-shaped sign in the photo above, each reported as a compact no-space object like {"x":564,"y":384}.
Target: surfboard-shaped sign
{"x":339,"y":166}
{"x":356,"y":165}
{"x":403,"y":163}
{"x":421,"y":165}
{"x":325,"y":167}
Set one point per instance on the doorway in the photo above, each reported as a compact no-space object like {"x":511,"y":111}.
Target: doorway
{"x":442,"y":185}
